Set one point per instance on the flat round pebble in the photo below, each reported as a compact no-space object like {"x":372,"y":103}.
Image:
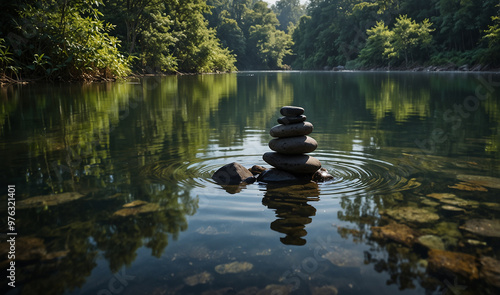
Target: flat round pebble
{"x":291,"y":111}
{"x":297,"y":129}
{"x":292,"y":163}
{"x":293,"y":145}
{"x":292,"y":120}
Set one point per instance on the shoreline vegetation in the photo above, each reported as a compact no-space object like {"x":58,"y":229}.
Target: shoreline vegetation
{"x":107,"y":40}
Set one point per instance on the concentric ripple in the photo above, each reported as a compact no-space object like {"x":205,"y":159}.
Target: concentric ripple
{"x":359,"y":173}
{"x":354,"y":173}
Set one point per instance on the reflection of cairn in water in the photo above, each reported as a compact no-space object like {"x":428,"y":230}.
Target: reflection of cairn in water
{"x":292,"y":210}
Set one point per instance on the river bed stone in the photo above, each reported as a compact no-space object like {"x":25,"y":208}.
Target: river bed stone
{"x":201,"y":278}
{"x":48,"y":200}
{"x":447,"y":262}
{"x":396,"y":232}
{"x":431,"y":242}
{"x":483,"y":227}
{"x":233,"y":267}
{"x":490,"y":270}
{"x":344,"y":257}
{"x":135,"y":203}
{"x":411,"y":214}
{"x":145,"y":208}
{"x":488,"y":181}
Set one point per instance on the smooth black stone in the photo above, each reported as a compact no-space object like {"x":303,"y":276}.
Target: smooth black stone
{"x":298,"y":164}
{"x":292,"y":120}
{"x":276,"y":175}
{"x":291,"y":111}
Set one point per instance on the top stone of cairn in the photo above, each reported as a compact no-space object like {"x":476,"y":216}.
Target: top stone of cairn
{"x":291,"y":111}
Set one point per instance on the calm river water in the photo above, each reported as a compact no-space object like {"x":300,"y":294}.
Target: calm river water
{"x":113,"y":189}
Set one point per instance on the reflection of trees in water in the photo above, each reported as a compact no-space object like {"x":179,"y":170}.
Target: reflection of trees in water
{"x":292,"y":209}
{"x":117,"y":237}
{"x":401,"y":263}
{"x":406,"y":262}
{"x":95,"y":142}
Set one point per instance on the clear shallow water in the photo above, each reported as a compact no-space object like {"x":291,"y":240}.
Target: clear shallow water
{"x":390,"y":140}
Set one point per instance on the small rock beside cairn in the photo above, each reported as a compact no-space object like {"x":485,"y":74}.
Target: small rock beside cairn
{"x":292,"y":143}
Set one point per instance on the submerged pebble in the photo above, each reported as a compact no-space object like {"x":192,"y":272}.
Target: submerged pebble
{"x":233,"y":267}
{"x":446,"y":262}
{"x":145,"y":208}
{"x":201,"y":278}
{"x":344,"y":257}
{"x":488,"y":181}
{"x":483,"y":227}
{"x":135,"y":203}
{"x":48,"y":200}
{"x":490,"y":270}
{"x":396,"y":232}
{"x":431,"y":242}
{"x":325,"y":290}
{"x":411,"y":214}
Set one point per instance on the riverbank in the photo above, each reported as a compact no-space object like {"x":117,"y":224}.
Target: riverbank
{"x":442,"y":68}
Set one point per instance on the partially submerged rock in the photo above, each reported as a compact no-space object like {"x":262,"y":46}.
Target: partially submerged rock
{"x":257,"y":169}
{"x":231,"y":174}
{"x":450,"y":263}
{"x":276,"y":175}
{"x":322,"y":175}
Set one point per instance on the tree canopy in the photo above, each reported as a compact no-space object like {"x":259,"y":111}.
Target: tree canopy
{"x":107,"y":39}
{"x":402,"y":33}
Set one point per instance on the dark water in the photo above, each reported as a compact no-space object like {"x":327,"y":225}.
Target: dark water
{"x":395,"y":142}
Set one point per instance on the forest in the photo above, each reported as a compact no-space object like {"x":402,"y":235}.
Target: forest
{"x":92,"y":40}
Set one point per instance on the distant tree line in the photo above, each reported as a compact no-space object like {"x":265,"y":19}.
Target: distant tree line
{"x":398,"y":33}
{"x":105,"y":39}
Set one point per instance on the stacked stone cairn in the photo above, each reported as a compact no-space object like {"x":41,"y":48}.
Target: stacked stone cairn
{"x":289,"y":159}
{"x":292,"y":143}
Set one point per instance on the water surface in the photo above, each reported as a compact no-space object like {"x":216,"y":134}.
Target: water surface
{"x":395,"y":142}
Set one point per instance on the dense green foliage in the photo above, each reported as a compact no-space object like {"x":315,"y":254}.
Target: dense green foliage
{"x":258,"y":35}
{"x":106,"y":39}
{"x":397,"y":33}
{"x":63,"y":40}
